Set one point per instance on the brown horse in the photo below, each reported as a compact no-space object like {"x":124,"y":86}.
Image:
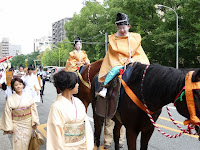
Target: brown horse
{"x":86,"y":96}
{"x":85,"y":93}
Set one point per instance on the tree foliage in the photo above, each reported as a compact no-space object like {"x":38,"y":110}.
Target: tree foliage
{"x":20,"y":59}
{"x":158,"y":30}
{"x":90,"y":26}
{"x":51,"y":56}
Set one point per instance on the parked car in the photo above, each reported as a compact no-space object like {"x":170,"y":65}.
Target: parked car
{"x":53,"y":71}
{"x":48,"y":69}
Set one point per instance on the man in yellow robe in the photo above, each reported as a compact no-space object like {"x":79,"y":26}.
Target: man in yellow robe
{"x":77,"y":57}
{"x":124,"y":47}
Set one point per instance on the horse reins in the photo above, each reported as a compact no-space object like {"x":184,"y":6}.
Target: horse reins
{"x":190,"y":125}
{"x":88,"y":85}
{"x":191,"y":86}
{"x":132,"y":95}
{"x":89,"y":75}
{"x":142,"y":83}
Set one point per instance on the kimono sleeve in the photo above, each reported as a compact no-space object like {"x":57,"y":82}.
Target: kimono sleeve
{"x":3,"y":78}
{"x":55,"y":131}
{"x":37,"y":85}
{"x":89,"y":134}
{"x":34,"y":113}
{"x":86,"y":60}
{"x":71,"y":61}
{"x":139,"y":54}
{"x":6,"y":123}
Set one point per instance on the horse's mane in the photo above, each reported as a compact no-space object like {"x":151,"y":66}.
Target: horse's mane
{"x":96,"y":62}
{"x":160,"y":82}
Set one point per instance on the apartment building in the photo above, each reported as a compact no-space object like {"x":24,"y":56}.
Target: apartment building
{"x":43,"y":43}
{"x":8,"y":49}
{"x":14,"y":50}
{"x":5,"y":47}
{"x":58,"y":30}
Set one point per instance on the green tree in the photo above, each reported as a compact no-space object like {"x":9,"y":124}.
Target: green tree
{"x":158,"y":31}
{"x":31,"y":57}
{"x":50,"y":57}
{"x":18,"y":60}
{"x":90,"y":26}
{"x":165,"y":36}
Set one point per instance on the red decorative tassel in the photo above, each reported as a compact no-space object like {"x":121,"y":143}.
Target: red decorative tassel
{"x":121,"y":71}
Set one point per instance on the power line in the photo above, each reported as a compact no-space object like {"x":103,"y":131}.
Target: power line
{"x":101,"y":43}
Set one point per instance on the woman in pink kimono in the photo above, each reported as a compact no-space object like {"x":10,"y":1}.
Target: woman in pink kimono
{"x":20,"y":116}
{"x":68,"y":127}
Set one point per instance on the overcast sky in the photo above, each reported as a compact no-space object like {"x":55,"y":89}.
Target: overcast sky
{"x":22,"y":21}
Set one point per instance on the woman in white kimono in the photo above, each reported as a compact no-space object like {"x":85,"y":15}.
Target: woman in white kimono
{"x":20,"y":116}
{"x":32,"y":84}
{"x":68,"y":127}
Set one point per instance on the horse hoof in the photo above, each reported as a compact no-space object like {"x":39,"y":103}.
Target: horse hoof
{"x":99,"y":148}
{"x":121,"y":145}
{"x":107,"y":146}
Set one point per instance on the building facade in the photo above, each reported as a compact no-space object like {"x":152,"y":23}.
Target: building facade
{"x":14,"y":50}
{"x":42,"y":43}
{"x":5,"y":47}
{"x":58,"y":30}
{"x":8,"y":49}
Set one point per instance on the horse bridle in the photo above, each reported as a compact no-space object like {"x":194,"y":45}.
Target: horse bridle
{"x":142,"y":83}
{"x":189,"y":86}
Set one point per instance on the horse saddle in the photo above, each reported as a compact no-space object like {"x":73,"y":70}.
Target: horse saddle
{"x":80,"y":71}
{"x":82,"y":68}
{"x":107,"y":107}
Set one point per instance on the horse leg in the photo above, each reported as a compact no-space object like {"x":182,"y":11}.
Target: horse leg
{"x":145,"y":137}
{"x":131,"y":137}
{"x":98,"y":123}
{"x":116,"y":133}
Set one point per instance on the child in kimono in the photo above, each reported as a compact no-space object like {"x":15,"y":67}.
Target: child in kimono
{"x":20,"y":116}
{"x":77,"y":57}
{"x":68,"y":127}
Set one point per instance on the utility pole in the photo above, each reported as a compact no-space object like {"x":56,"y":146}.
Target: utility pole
{"x":59,"y":57}
{"x":58,"y":53}
{"x":160,"y":6}
{"x":106,"y":42}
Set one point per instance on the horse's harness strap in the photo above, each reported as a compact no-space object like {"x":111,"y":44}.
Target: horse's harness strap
{"x":189,"y":86}
{"x":132,"y":96}
{"x":84,"y":82}
{"x":142,"y":83}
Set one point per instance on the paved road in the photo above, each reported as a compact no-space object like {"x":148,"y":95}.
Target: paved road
{"x":157,"y":142}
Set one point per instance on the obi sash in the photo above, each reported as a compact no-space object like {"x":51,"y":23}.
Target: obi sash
{"x":74,"y":134}
{"x":22,"y":113}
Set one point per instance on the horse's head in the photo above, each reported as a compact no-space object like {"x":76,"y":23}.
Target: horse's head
{"x":189,"y":107}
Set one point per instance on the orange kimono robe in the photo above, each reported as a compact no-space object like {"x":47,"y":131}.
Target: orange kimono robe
{"x":118,"y":53}
{"x":74,"y":57}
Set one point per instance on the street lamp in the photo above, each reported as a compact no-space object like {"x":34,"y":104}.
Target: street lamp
{"x":161,"y":6}
{"x":59,"y":53}
{"x":59,"y":57}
